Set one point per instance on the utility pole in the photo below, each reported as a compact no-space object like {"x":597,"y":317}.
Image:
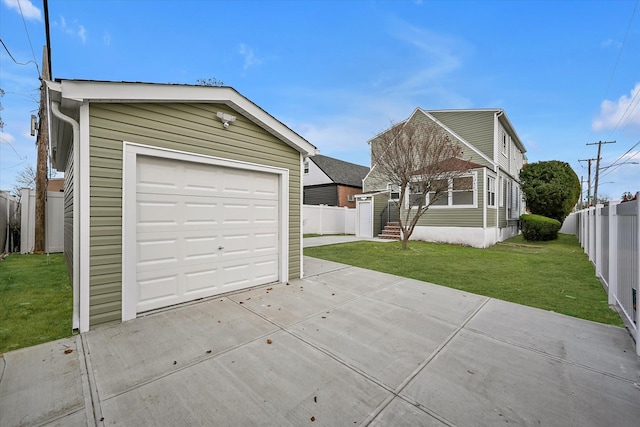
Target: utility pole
{"x":588,"y":180}
{"x":42,"y":143}
{"x":599,"y":143}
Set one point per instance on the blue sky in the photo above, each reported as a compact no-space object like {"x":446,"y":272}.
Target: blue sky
{"x":567,"y":73}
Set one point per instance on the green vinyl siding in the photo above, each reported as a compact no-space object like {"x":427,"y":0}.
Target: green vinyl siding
{"x":68,"y":212}
{"x":190,"y":128}
{"x":476,"y":127}
{"x":380,"y":202}
{"x":457,"y":216}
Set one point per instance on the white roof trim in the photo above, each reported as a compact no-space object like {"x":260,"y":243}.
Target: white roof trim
{"x":98,"y":91}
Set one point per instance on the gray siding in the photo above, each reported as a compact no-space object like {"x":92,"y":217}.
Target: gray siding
{"x":68,"y":212}
{"x":185,"y":127}
{"x":476,"y":127}
{"x":321,"y":195}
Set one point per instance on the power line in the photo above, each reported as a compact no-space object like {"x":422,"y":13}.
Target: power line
{"x":621,"y":48}
{"x":29,"y":37}
{"x":630,"y":109}
{"x":14,"y":59}
{"x":613,"y":166}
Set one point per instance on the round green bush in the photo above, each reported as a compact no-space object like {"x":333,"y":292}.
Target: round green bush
{"x":539,"y":228}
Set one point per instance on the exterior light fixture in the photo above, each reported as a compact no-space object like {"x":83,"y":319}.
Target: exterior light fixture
{"x":226,"y":118}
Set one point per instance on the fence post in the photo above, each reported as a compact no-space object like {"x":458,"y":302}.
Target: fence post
{"x":613,"y":253}
{"x":597,"y":244}
{"x":637,"y":273}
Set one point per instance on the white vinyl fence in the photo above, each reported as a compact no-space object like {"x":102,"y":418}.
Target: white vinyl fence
{"x":610,"y":236}
{"x":8,"y":215}
{"x":54,"y":221}
{"x":323,"y":219}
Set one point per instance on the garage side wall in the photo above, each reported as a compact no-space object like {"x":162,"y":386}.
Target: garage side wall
{"x":191,"y":128}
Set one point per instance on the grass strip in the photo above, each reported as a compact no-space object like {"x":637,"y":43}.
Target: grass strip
{"x":36,"y":300}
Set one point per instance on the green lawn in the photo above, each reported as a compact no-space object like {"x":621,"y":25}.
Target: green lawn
{"x":554,"y":275}
{"x":36,"y":301}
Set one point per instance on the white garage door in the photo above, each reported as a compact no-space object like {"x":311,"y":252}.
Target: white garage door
{"x":202,"y":230}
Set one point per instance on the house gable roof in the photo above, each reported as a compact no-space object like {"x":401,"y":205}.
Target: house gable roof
{"x":341,"y":172}
{"x":71,"y":93}
{"x":502,"y":117}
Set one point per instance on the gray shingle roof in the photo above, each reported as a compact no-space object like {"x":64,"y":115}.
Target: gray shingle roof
{"x":341,"y":172}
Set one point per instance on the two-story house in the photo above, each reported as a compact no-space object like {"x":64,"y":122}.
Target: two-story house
{"x":332,"y":182}
{"x":486,"y":210}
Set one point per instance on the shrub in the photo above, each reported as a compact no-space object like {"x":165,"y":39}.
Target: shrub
{"x":539,"y":228}
{"x":551,"y":188}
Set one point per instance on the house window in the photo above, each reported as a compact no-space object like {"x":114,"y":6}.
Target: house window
{"x":350,"y":198}
{"x":416,"y":196}
{"x":491,"y":191}
{"x":443,"y":198}
{"x":461,"y":192}
{"x":513,"y":201}
{"x":394,"y":191}
{"x":515,"y":212}
{"x":504,"y":143}
{"x":306,"y":167}
{"x":503,"y":191}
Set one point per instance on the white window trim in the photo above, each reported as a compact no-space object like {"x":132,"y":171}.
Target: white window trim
{"x":492,"y":179}
{"x":502,"y":192}
{"x":505,"y":143}
{"x":450,"y":204}
{"x":390,"y":189}
{"x":130,"y":153}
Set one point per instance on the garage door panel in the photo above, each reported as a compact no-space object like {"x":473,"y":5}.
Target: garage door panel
{"x":157,"y":213}
{"x":156,"y":174}
{"x":200,"y":213}
{"x":199,"y":248}
{"x":265,"y":186}
{"x":199,"y":281}
{"x":158,"y":287}
{"x":215,"y":230}
{"x":157,"y":251}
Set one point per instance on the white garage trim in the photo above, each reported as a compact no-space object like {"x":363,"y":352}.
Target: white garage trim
{"x":82,"y":179}
{"x":129,"y":196}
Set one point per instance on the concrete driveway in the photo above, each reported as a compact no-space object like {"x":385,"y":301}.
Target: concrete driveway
{"x":343,"y":347}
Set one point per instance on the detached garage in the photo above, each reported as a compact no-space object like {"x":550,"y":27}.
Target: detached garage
{"x":172,"y":193}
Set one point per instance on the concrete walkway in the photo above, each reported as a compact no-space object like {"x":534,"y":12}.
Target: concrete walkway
{"x":309,"y":242}
{"x":343,"y":347}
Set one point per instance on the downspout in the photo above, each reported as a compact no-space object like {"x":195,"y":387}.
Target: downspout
{"x":55,"y":109}
{"x":496,"y":167}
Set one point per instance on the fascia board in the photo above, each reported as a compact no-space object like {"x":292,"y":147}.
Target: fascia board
{"x":94,"y":91}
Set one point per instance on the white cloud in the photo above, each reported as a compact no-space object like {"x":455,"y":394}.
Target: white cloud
{"x":74,"y":29}
{"x":29,"y":11}
{"x":250,"y":59}
{"x":623,"y":113}
{"x":106,"y":38}
{"x":437,"y":55}
{"x":6,"y":138}
{"x":82,"y":33}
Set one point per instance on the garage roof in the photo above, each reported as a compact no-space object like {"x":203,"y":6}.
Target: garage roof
{"x":71,"y":93}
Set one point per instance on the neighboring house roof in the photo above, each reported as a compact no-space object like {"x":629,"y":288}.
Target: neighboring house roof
{"x":72,"y":93}
{"x":341,"y":172}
